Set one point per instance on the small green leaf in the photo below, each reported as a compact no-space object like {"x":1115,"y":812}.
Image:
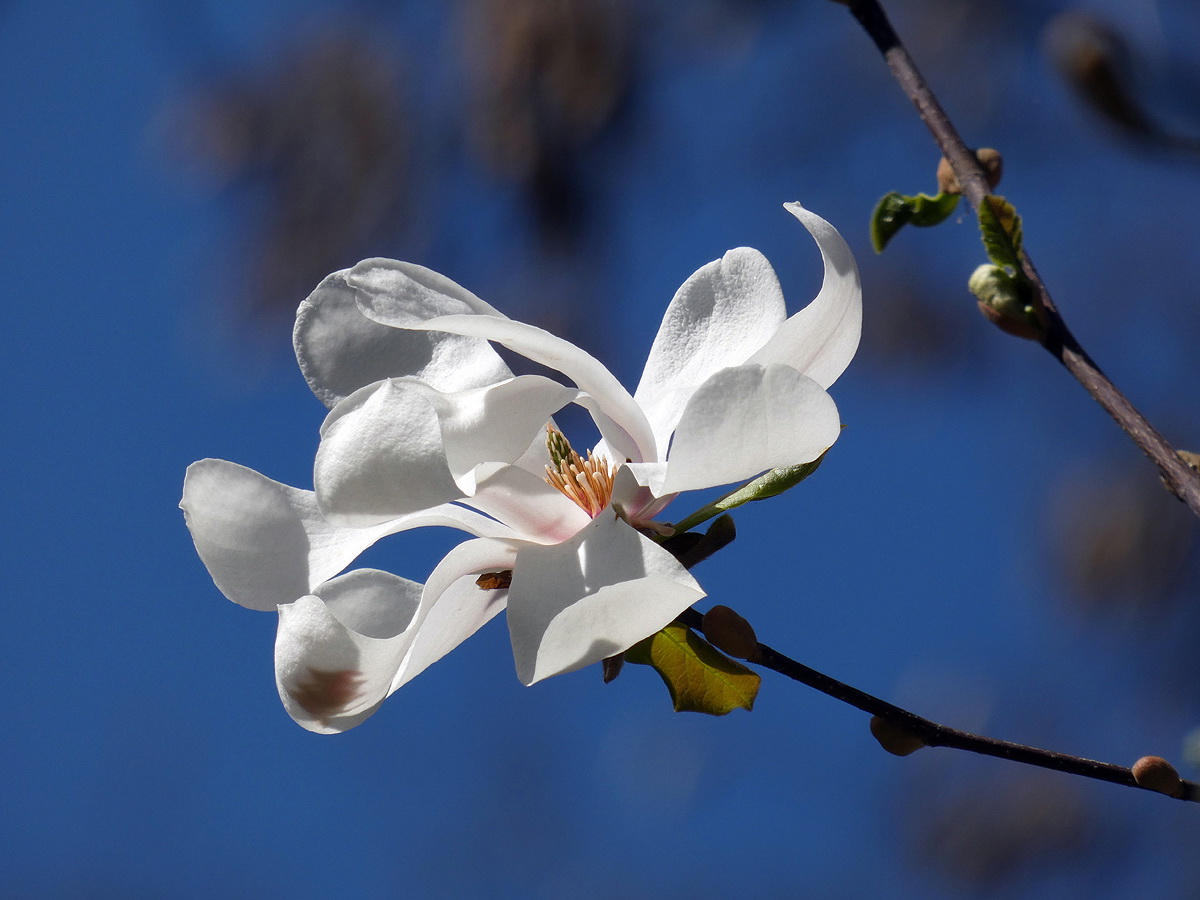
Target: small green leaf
{"x":769,"y":484}
{"x":1000,"y":227}
{"x":699,"y":677}
{"x":896,"y":210}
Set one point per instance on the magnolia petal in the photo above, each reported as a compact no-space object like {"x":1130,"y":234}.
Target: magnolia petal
{"x":721,"y":315}
{"x":453,"y":607}
{"x":403,"y":294}
{"x":340,"y":350}
{"x":576,"y":603}
{"x":265,"y":543}
{"x":382,"y":455}
{"x":338,"y":651}
{"x":632,"y":499}
{"x":526,"y":503}
{"x":619,"y":418}
{"x":400,"y":446}
{"x":822,"y":338}
{"x":745,"y":420}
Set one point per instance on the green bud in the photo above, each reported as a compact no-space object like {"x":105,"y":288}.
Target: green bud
{"x":1005,"y":300}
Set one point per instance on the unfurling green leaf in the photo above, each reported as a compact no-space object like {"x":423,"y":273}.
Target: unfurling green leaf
{"x":769,"y":484}
{"x":1000,"y":227}
{"x":699,"y":677}
{"x":895,"y":210}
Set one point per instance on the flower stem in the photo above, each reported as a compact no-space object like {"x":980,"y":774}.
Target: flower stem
{"x":934,"y":735}
{"x":1179,"y":478}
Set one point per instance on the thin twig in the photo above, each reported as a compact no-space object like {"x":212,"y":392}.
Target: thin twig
{"x":934,"y":735}
{"x":1180,"y":479}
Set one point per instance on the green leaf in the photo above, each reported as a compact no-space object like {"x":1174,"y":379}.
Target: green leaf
{"x":699,"y":677}
{"x":1000,"y":227}
{"x":895,"y":210}
{"x":769,"y":484}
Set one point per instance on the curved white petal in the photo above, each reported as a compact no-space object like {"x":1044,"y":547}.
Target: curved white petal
{"x":266,"y":543}
{"x":453,"y":607}
{"x":340,"y":350}
{"x":636,"y":502}
{"x":400,"y":446}
{"x":338,"y":651}
{"x":575,"y":603}
{"x":401,"y":294}
{"x":822,"y":338}
{"x":618,"y":417}
{"x":721,"y":315}
{"x":527,"y":504}
{"x":745,"y":420}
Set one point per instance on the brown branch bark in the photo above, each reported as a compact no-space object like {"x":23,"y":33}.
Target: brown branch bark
{"x":1179,"y":478}
{"x":933,"y":734}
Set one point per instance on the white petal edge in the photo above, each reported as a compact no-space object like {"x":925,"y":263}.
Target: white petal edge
{"x":453,"y":607}
{"x":598,"y":594}
{"x":340,"y":350}
{"x":726,"y":311}
{"x":402,"y":294}
{"x":265,"y":543}
{"x":822,"y":338}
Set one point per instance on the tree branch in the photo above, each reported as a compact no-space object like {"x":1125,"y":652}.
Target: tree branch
{"x":932,"y":734}
{"x":1179,"y":478}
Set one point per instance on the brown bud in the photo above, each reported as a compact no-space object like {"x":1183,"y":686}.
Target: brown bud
{"x":993,"y":168}
{"x":893,"y":738}
{"x":1192,"y":459}
{"x":495,"y":581}
{"x":611,"y":666}
{"x":1014,"y":326}
{"x":993,"y":165}
{"x":728,"y":631}
{"x":1156,"y":774}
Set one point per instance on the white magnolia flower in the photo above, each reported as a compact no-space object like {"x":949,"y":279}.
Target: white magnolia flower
{"x":428,"y":426}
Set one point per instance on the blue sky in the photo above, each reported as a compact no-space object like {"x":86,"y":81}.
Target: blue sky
{"x":147,"y":753}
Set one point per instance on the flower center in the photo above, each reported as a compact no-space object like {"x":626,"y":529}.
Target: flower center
{"x":587,"y":482}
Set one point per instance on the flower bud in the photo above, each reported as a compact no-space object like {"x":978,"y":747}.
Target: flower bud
{"x":729,"y":632}
{"x":989,"y":159}
{"x":895,"y":739}
{"x":1004,"y":302}
{"x":1156,"y":774}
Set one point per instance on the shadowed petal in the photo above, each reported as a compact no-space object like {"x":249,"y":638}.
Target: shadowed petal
{"x":601,"y":592}
{"x":400,"y":446}
{"x":403,"y":301}
{"x":340,"y":350}
{"x":401,"y":294}
{"x":527,"y":503}
{"x":338,"y":651}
